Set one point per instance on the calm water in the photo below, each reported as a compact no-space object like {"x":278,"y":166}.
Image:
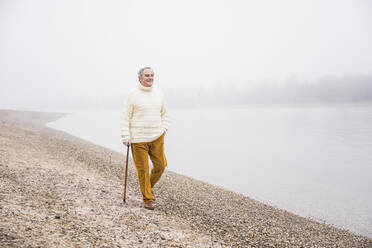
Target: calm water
{"x":315,"y":161}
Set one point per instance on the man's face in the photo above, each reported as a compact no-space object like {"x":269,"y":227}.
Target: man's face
{"x":147,"y":78}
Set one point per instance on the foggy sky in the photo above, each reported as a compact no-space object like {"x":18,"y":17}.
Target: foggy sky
{"x":59,"y":53}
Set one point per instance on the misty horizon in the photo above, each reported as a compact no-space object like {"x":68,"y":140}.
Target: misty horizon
{"x":331,"y":89}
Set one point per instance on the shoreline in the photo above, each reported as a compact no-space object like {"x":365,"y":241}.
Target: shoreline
{"x":76,"y":190}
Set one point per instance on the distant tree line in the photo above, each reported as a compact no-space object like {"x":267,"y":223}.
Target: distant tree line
{"x":325,"y":90}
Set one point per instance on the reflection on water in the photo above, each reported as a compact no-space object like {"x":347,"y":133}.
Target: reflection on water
{"x":312,"y":160}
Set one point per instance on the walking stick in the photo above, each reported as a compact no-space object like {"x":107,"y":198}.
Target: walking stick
{"x":126,"y":174}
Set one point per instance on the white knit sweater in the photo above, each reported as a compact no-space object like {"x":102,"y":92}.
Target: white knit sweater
{"x":145,"y":115}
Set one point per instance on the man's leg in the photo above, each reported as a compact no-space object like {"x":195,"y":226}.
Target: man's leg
{"x":158,"y":159}
{"x":141,"y":160}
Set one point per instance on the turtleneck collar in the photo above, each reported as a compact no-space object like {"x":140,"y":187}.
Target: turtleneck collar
{"x":141,"y":87}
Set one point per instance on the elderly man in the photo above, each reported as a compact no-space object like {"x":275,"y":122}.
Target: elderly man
{"x":143,"y":126}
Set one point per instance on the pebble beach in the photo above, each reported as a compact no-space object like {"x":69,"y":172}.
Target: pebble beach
{"x":57,"y":190}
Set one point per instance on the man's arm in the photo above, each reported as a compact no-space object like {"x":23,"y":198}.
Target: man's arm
{"x":164,"y":116}
{"x":125,"y":121}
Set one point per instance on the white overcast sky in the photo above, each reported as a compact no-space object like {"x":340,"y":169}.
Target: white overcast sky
{"x":55,"y":51}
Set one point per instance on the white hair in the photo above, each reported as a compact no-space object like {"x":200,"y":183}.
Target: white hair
{"x":140,"y":72}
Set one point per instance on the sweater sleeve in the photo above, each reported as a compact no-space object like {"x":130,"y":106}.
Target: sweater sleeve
{"x":125,"y":119}
{"x":164,"y":116}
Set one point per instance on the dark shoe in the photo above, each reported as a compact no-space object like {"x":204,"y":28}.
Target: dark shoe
{"x":149,"y":206}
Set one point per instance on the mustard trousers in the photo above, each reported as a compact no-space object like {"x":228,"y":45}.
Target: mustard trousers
{"x":141,"y":153}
